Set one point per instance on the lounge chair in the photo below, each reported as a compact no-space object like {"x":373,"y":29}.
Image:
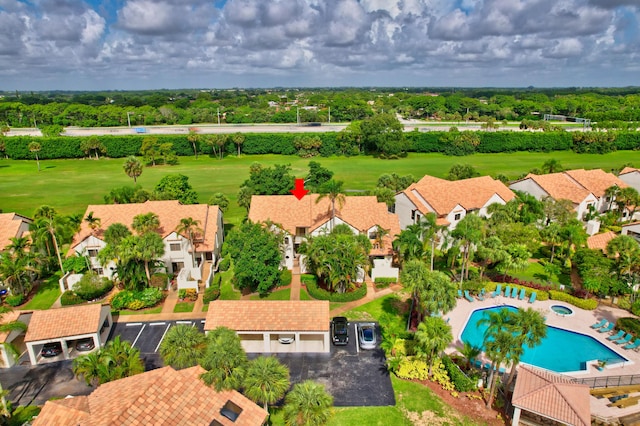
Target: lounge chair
{"x":514,"y":292}
{"x":625,"y":340}
{"x":498,"y":291}
{"x":602,"y":323}
{"x":606,"y":328}
{"x":460,"y":294}
{"x":466,"y":296}
{"x":522,"y":293}
{"x":507,"y":291}
{"x":481,"y":294}
{"x":633,"y":345}
{"x":620,"y":335}
{"x":533,"y":297}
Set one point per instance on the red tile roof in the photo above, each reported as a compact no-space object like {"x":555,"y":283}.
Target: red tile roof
{"x":443,"y":195}
{"x":169,"y":213}
{"x":271,"y":315}
{"x":596,"y":181}
{"x":160,"y":397}
{"x":9,"y":227}
{"x":64,"y":322}
{"x":628,"y":170}
{"x":600,"y":241}
{"x":6,"y":318}
{"x":552,"y":395}
{"x":361,"y":212}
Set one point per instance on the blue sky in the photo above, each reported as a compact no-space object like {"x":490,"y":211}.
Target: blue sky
{"x":154,"y":44}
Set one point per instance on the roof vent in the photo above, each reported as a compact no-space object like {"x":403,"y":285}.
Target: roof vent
{"x":231,"y":411}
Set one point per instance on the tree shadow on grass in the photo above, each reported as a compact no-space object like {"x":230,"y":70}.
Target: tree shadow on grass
{"x":396,"y":306}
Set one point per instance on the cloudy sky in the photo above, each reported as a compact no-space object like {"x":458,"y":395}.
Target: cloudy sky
{"x":153,"y":44}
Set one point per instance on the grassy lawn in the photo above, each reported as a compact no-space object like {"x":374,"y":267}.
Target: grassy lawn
{"x":184,"y":307}
{"x":284,"y":294}
{"x":396,"y":304}
{"x":535,"y":272}
{"x":226,"y":288}
{"x":155,"y":310}
{"x":81,"y":182}
{"x":304,"y":294}
{"x":46,"y":295}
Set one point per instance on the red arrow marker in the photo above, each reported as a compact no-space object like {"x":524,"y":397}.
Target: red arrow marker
{"x":299,"y":191}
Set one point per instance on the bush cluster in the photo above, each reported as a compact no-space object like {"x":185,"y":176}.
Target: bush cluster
{"x":189,"y":294}
{"x":212,"y":292}
{"x":382,"y":282}
{"x":91,"y":286}
{"x":285,"y":277}
{"x":588,"y":304}
{"x":15,"y":300}
{"x":69,"y":298}
{"x":321,"y":294}
{"x":460,"y":381}
{"x":629,"y":325}
{"x":135,"y":300}
{"x":412,"y":369}
{"x":224,"y":264}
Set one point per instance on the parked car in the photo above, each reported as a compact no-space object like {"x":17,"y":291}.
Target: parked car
{"x":84,"y":345}
{"x":286,"y":339}
{"x":340,"y":331}
{"x":367,"y":335}
{"x":51,"y":349}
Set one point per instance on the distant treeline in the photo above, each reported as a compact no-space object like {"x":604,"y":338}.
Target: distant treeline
{"x":187,"y":107}
{"x":450,"y":143}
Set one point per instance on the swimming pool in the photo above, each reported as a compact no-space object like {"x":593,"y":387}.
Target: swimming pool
{"x":561,"y":351}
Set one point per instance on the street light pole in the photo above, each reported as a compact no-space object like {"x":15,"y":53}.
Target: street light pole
{"x":218,"y":116}
{"x":129,"y":119}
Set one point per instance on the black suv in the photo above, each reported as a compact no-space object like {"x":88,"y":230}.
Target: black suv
{"x":340,"y":331}
{"x":51,"y":349}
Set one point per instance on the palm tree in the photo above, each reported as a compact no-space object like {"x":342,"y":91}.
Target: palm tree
{"x":193,"y":137}
{"x":149,"y":248}
{"x":407,"y":244}
{"x":307,"y":404}
{"x":432,"y":337}
{"x":224,"y":359}
{"x":50,"y":225}
{"x":552,"y":166}
{"x":35,"y":148}
{"x":147,"y":222}
{"x":94,"y":222}
{"x":432,"y":291}
{"x":182,"y":346}
{"x":469,"y":231}
{"x":18,"y":246}
{"x":238,"y":139}
{"x":132,"y":167}
{"x":499,"y":347}
{"x":551,"y":235}
{"x":625,"y":252}
{"x":15,"y":273}
{"x":470,"y":352}
{"x":429,"y":231}
{"x":116,"y":360}
{"x":91,"y":367}
{"x":266,"y":381}
{"x":530,"y":328}
{"x":332,"y":190}
{"x":190,"y":227}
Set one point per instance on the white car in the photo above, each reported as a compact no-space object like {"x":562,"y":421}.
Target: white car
{"x":367,"y":335}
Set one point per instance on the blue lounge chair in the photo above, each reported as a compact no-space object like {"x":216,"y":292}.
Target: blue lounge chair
{"x":632,"y":345}
{"x":533,"y":297}
{"x":498,"y":291}
{"x":514,"y":292}
{"x":481,"y":295}
{"x":625,"y":340}
{"x":466,"y":296}
{"x":620,"y":335}
{"x":507,"y":291}
{"x":607,"y":328}
{"x":460,"y":294}
{"x":522,"y":293}
{"x":602,"y":323}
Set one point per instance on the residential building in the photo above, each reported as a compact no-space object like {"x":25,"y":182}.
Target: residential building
{"x":299,"y":219}
{"x":631,"y":176}
{"x":449,"y":200}
{"x":158,"y":397}
{"x":180,"y":258}
{"x":12,"y":225}
{"x":586,"y":189}
{"x":632,"y":230}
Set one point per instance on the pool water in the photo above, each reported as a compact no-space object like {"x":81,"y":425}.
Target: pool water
{"x":561,"y":310}
{"x":561,"y":351}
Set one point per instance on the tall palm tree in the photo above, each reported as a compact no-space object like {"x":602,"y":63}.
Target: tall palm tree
{"x":333,"y":191}
{"x":499,"y":347}
{"x":307,"y":404}
{"x":625,"y":252}
{"x":190,"y":227}
{"x":224,"y":359}
{"x":182,"y":346}
{"x":529,"y":328}
{"x":132,"y":167}
{"x":193,"y":137}
{"x":432,"y":291}
{"x":469,"y":231}
{"x":35,"y":147}
{"x":238,"y":139}
{"x":432,"y":337}
{"x":552,"y":166}
{"x":18,"y":246}
{"x":92,"y":221}
{"x":266,"y":381}
{"x":150,"y":248}
{"x":146,"y":222}
{"x":15,"y":273}
{"x":116,"y":360}
{"x":51,"y":226}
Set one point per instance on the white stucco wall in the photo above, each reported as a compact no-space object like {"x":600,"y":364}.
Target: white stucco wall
{"x":495,"y":198}
{"x":632,"y":179}
{"x":530,"y":187}
{"x":404,"y":207}
{"x":382,"y":269}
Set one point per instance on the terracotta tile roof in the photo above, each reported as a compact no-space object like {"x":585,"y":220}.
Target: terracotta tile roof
{"x":64,"y":322}
{"x":10,"y":227}
{"x":272,"y":315}
{"x":628,"y":170}
{"x":560,"y":186}
{"x":443,"y":195}
{"x":552,"y":395}
{"x":599,"y":241}
{"x":7,"y":318}
{"x":169,"y":213}
{"x":161,"y":397}
{"x":361,"y":212}
{"x":595,"y":181}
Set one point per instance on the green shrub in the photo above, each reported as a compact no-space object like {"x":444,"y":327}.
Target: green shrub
{"x":135,"y":305}
{"x":412,"y":369}
{"x":588,"y":304}
{"x":461,"y":382}
{"x":635,"y":308}
{"x":146,"y":298}
{"x":69,"y":298}
{"x":210,"y":294}
{"x":92,"y":286}
{"x":382,"y":282}
{"x":159,"y":281}
{"x":14,"y":300}
{"x":285,"y":277}
{"x":224,"y":264}
{"x":629,"y":325}
{"x":322,"y":294}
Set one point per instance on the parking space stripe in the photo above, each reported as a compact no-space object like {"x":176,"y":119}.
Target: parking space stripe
{"x":138,"y":336}
{"x":133,"y":324}
{"x":184,"y":322}
{"x":162,"y":338}
{"x":157,"y":323}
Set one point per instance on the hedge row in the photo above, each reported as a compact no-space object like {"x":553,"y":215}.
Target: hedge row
{"x":321,"y":294}
{"x":588,"y":304}
{"x":629,"y":325}
{"x":460,"y":380}
{"x":118,"y":146}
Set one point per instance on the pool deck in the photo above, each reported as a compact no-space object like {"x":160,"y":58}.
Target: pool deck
{"x":580,"y":321}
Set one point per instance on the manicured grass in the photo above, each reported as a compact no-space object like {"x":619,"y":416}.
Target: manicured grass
{"x":396,"y":304}
{"x":226,"y":288}
{"x":284,"y":294}
{"x":46,"y":295}
{"x":304,"y":294}
{"x":184,"y":307}
{"x":155,"y":310}
{"x":535,"y":272}
{"x":335,"y":305}
{"x":69,"y":185}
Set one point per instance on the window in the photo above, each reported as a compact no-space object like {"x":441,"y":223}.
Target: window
{"x":392,"y":209}
{"x":418,"y":218}
{"x":208,"y":256}
{"x":300,"y":231}
{"x":98,"y":271}
{"x":93,"y":252}
{"x":457,"y":216}
{"x":174,"y":247}
{"x":373,"y":235}
{"x":413,"y":214}
{"x":231,"y":411}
